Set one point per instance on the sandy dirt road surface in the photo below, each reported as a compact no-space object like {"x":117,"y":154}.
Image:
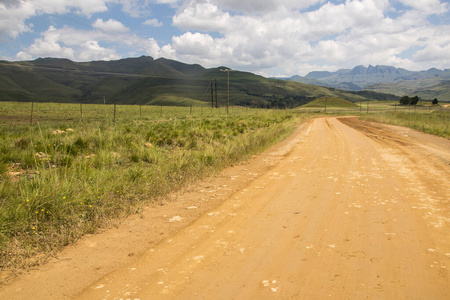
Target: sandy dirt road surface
{"x":343,"y":209}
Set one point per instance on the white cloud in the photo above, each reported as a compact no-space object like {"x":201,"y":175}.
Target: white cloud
{"x":427,"y":6}
{"x":48,"y":46}
{"x":196,"y":44}
{"x":280,"y":35}
{"x":91,"y":50}
{"x":202,"y":16}
{"x":432,"y":53}
{"x":12,"y":17}
{"x":153,"y":22}
{"x":110,"y":26}
{"x":267,"y":6}
{"x":84,"y":7}
{"x":84,"y":45}
{"x":135,"y":8}
{"x":14,"y":14}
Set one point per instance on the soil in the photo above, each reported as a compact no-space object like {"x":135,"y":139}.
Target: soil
{"x":342,"y":209}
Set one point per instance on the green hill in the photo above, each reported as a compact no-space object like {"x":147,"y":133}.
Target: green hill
{"x":144,"y":80}
{"x":428,"y":88}
{"x":330,"y":102}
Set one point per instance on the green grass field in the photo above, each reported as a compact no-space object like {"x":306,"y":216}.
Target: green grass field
{"x":64,"y":176}
{"x":437,"y":122}
{"x":331,"y":102}
{"x":428,"y":118}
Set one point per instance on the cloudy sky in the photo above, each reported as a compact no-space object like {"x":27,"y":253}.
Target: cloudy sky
{"x":267,"y":37}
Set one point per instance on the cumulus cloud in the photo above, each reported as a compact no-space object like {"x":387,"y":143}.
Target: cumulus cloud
{"x":12,"y":18}
{"x":293,"y":35}
{"x":110,"y":26}
{"x":15,"y":13}
{"x":196,"y":44}
{"x":433,"y":52}
{"x":135,"y":8}
{"x":427,"y":6}
{"x":84,"y":45}
{"x":48,"y":45}
{"x":202,"y":16}
{"x":267,"y":6}
{"x":84,"y":7}
{"x":91,"y":50}
{"x":153,"y":22}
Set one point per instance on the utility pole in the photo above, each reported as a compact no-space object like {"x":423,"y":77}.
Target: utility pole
{"x":212,"y":93}
{"x":215,"y":88}
{"x":228,"y":87}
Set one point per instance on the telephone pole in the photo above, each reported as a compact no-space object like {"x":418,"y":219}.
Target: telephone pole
{"x":215,"y":92}
{"x":212,"y":94}
{"x":228,"y":87}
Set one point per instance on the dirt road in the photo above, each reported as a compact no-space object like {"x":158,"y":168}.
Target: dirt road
{"x":343,"y":209}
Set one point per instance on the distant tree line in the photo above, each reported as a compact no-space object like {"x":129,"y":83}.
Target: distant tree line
{"x":374,"y":95}
{"x":277,"y":102}
{"x":406,"y":100}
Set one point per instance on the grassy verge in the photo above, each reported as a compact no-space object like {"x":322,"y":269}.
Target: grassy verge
{"x":60,"y":180}
{"x":330,"y":102}
{"x":437,"y":122}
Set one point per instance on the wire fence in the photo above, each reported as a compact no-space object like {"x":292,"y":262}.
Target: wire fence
{"x":32,"y":112}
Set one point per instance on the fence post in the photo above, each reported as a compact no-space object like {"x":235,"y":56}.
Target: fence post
{"x":114,"y":121}
{"x":31,"y":116}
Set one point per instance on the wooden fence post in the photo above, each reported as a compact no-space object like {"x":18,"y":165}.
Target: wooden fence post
{"x":31,"y":116}
{"x":114,"y":113}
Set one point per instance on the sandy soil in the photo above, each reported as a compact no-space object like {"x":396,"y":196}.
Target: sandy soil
{"x":343,"y":209}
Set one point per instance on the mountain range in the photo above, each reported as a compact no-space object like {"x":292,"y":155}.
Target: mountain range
{"x":429,"y":84}
{"x":144,"y":80}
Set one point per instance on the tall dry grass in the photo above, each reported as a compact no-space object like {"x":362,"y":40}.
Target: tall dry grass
{"x":61,"y":179}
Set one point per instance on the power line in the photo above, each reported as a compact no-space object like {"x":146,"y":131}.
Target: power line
{"x":75,"y":21}
{"x":18,"y":65}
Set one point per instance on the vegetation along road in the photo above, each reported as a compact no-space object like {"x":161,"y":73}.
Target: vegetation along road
{"x":342,"y":209}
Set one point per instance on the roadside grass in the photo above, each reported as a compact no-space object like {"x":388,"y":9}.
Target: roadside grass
{"x":434,"y":122}
{"x":330,"y":102}
{"x":61,"y":179}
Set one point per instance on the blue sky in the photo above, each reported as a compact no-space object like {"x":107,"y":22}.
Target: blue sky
{"x":271,"y":37}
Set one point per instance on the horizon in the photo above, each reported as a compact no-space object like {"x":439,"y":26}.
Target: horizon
{"x":216,"y":67}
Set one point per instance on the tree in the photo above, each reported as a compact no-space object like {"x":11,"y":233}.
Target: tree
{"x":435,"y":101}
{"x":405,"y":100}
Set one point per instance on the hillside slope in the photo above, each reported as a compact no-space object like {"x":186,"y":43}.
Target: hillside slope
{"x":383,"y":79}
{"x":144,"y":80}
